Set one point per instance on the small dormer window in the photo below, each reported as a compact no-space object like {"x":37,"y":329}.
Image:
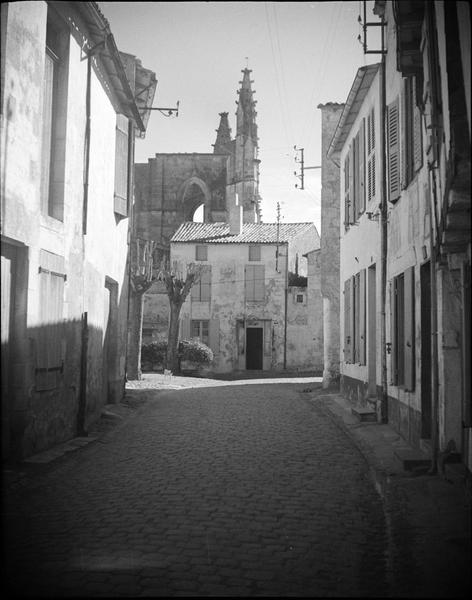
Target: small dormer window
{"x":201,"y":252}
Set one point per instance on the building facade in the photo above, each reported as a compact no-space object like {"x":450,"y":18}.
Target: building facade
{"x":356,"y":147}
{"x":69,"y":120}
{"x":416,"y":228}
{"x":243,"y":306}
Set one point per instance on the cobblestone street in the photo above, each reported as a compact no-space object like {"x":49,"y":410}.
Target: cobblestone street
{"x":229,"y":490}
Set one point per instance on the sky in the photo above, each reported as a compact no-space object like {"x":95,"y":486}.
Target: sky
{"x":302,"y":54}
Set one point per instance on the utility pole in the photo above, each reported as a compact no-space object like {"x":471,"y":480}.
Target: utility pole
{"x":302,"y":167}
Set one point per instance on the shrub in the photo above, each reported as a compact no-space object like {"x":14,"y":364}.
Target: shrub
{"x":189,"y":350}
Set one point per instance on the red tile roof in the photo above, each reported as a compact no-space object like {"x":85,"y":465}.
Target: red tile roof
{"x":257,"y":233}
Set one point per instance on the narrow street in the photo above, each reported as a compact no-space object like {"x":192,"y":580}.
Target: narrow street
{"x":238,"y":490}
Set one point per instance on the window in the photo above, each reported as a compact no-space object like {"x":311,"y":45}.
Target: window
{"x":254,"y":252}
{"x":49,"y":355}
{"x":300,"y":298}
{"x":201,"y":290}
{"x":411,"y":133}
{"x":355,"y":319}
{"x":200,"y":330}
{"x":354,"y":175}
{"x":254,"y":276}
{"x":54,"y":98}
{"x":402,"y":313}
{"x":371,"y":156}
{"x":122,"y":170}
{"x":405,"y":149}
{"x":201,"y":252}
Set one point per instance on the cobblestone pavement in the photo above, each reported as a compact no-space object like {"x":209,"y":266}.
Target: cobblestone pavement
{"x":233,"y":491}
{"x":243,"y":490}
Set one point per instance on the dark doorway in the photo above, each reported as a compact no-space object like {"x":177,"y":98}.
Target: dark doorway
{"x":425,"y":351}
{"x":254,"y":339}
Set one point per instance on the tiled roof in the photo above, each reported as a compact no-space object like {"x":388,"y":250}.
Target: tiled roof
{"x":258,"y":233}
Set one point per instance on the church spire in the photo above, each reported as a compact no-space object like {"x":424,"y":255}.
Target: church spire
{"x":246,"y":112}
{"x":223,"y":136}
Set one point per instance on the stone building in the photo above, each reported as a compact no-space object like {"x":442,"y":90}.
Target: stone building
{"x":421,"y":138}
{"x":244,"y":307}
{"x":68,"y":124}
{"x":171,"y":187}
{"x":356,"y":147}
{"x":329,"y":251}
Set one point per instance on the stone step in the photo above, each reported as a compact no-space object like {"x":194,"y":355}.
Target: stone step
{"x":364,"y":414}
{"x":412,"y":459}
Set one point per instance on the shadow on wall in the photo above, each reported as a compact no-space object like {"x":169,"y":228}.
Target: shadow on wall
{"x":55,"y":380}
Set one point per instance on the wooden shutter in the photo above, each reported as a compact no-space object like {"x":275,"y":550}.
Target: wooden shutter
{"x":393,"y":362}
{"x":259,"y":282}
{"x":417,"y":135}
{"x":248,"y":282}
{"x":405,"y":132}
{"x":214,"y":335}
{"x":121,"y":166}
{"x":362,"y":317}
{"x":346,"y":192}
{"x":49,"y":356}
{"x":347,"y":320}
{"x":361,"y":168}
{"x":409,"y":334}
{"x":355,"y":317}
{"x":352,"y":216}
{"x":205,"y":283}
{"x":393,"y":145}
{"x":371,"y":156}
{"x":355,"y":179}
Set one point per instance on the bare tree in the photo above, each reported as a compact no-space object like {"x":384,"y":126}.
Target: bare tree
{"x":141,"y":279}
{"x":177,"y":289}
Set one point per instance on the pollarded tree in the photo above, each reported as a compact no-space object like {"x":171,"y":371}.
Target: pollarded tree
{"x":177,"y":289}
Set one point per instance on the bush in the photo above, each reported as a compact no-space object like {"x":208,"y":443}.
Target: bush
{"x":189,"y":350}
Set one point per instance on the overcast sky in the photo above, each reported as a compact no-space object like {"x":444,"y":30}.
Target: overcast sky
{"x":301,"y":54}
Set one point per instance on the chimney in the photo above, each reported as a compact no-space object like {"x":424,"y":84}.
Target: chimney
{"x":235,"y":210}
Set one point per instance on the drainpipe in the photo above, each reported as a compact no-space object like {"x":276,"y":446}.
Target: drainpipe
{"x":383,"y":230}
{"x":286,"y":303}
{"x":434,"y":331}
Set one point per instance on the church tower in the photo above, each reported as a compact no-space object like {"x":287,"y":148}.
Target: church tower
{"x":246,"y":161}
{"x":243,"y":163}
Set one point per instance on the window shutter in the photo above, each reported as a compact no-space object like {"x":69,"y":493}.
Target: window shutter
{"x":346,"y":192}
{"x":355,"y":177}
{"x":347,"y":320}
{"x":356,"y":317}
{"x":248,"y":282}
{"x":393,"y":151}
{"x":259,"y":283}
{"x":205,"y":284}
{"x":184,"y":328}
{"x":409,"y":335}
{"x":362,"y":319}
{"x":417,"y":138}
{"x":50,"y":333}
{"x":215,"y":336}
{"x":393,"y":353}
{"x":352,"y":216}
{"x":361,"y":171}
{"x":404,"y":133}
{"x":121,"y":166}
{"x":371,"y":156}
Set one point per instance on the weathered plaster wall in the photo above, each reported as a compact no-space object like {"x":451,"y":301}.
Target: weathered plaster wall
{"x":228,"y":303}
{"x":330,"y":202}
{"x":40,"y":419}
{"x":360,"y":249}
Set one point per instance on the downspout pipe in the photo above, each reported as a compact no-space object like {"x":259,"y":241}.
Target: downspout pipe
{"x":383,"y":230}
{"x":286,"y":306}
